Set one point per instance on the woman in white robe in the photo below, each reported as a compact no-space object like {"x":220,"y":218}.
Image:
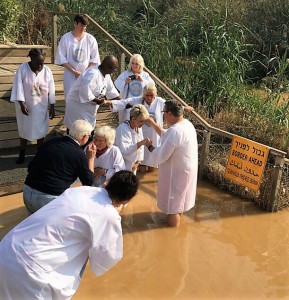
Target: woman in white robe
{"x":130,"y":83}
{"x":129,"y":138}
{"x":108,"y":159}
{"x":154,"y":106}
{"x":77,"y":50}
{"x":44,"y":256}
{"x":33,"y":92}
{"x":177,"y":157}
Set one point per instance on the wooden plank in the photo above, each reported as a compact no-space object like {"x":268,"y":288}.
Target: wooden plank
{"x":19,"y":60}
{"x":22,"y":46}
{"x":8,"y":126}
{"x":20,"y":52}
{"x":5,"y":86}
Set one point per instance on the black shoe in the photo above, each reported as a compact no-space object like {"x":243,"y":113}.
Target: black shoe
{"x":21,"y":158}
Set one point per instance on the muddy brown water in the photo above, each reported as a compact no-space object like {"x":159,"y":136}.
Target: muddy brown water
{"x":225,"y":248}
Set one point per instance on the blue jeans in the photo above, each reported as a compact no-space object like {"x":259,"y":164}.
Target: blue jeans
{"x":34,"y":199}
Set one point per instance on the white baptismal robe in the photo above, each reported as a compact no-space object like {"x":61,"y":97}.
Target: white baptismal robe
{"x":155,"y":111}
{"x":47,"y":251}
{"x":178,"y":168}
{"x":111,"y":160}
{"x":132,"y":89}
{"x":37,"y":91}
{"x":78,"y":54}
{"x":88,"y":86}
{"x":126,"y":139}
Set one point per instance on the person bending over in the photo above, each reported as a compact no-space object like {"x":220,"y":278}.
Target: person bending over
{"x":44,"y":256}
{"x":57,"y":165}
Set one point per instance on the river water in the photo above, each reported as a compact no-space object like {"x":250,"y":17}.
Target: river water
{"x":225,"y":248}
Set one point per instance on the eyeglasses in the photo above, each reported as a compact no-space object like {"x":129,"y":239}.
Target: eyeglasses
{"x":99,"y":141}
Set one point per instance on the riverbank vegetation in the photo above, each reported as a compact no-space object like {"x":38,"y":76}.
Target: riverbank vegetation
{"x":214,"y":54}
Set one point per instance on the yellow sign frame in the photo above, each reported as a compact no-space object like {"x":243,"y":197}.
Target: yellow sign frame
{"x":246,"y":162}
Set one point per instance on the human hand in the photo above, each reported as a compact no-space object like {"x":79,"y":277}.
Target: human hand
{"x":99,"y":172}
{"x":24,"y":108}
{"x":91,"y":150}
{"x":189,"y":108}
{"x":147,"y":142}
{"x":51,"y":112}
{"x":76,"y":73}
{"x":135,"y":166}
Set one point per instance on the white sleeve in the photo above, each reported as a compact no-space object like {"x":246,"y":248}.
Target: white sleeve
{"x":164,"y":151}
{"x":120,"y":81}
{"x":119,"y":105}
{"x":108,"y":249}
{"x":118,"y":163}
{"x":94,"y":54}
{"x":61,"y":53}
{"x":17,"y":93}
{"x":88,"y":85}
{"x":123,"y":140}
{"x":51,"y":88}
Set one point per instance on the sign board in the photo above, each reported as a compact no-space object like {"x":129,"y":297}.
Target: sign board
{"x":246,"y":163}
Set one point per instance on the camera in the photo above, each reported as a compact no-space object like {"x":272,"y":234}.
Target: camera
{"x":132,"y":77}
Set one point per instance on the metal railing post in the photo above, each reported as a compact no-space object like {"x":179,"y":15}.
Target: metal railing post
{"x":122,"y":62}
{"x":277,"y":174}
{"x":54,"y":38}
{"x":204,"y":152}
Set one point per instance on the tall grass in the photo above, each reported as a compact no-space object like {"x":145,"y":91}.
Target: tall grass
{"x":207,"y":51}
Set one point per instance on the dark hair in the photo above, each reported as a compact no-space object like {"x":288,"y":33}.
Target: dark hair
{"x":36,"y":52}
{"x":122,"y":186}
{"x":81,"y":19}
{"x":174,"y":107}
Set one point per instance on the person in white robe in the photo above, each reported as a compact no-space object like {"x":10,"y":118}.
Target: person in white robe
{"x":89,"y":90}
{"x":131,"y":82}
{"x":44,"y":256}
{"x":77,"y":50}
{"x":33,"y":93}
{"x":108,"y":159}
{"x":154,"y":106}
{"x":130,"y":139}
{"x":177,"y":157}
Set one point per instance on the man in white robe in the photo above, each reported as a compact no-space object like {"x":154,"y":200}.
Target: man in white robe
{"x":43,"y":256}
{"x":77,"y":50}
{"x":177,"y":157}
{"x":33,"y":92}
{"x":87,"y":91}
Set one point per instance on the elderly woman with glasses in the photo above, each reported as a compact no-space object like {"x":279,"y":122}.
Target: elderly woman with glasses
{"x":108,"y":159}
{"x":129,"y":137}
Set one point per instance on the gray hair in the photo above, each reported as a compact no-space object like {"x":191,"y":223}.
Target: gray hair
{"x":139,"y":111}
{"x":107,"y":132}
{"x":175,"y":107}
{"x":79,"y":129}
{"x":139,"y":59}
{"x":149,"y":87}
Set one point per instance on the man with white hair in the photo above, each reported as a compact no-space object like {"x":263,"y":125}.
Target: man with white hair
{"x":57,"y":165}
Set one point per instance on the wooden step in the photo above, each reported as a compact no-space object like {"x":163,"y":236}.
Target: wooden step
{"x":17,"y":54}
{"x":9,"y":137}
